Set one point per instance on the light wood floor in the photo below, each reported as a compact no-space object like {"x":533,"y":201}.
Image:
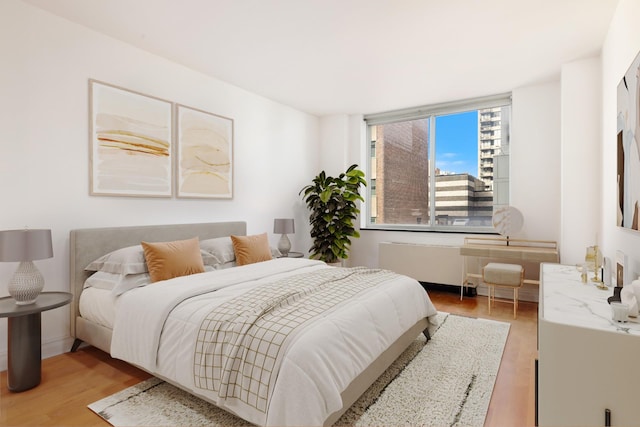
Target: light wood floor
{"x":71,"y":381}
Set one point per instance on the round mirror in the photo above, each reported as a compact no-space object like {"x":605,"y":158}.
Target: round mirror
{"x":507,"y":220}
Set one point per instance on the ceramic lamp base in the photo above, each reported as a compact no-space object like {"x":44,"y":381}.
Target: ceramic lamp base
{"x":26,"y":284}
{"x":284,"y":245}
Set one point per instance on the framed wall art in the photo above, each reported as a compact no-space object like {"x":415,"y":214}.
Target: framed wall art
{"x":204,"y":154}
{"x":628,"y":147}
{"x":131,"y":143}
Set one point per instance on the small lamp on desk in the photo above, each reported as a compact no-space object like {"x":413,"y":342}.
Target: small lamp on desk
{"x":25,"y":246}
{"x":284,"y":226}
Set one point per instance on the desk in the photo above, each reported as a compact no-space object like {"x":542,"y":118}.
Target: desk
{"x":24,"y":337}
{"x":502,"y":248}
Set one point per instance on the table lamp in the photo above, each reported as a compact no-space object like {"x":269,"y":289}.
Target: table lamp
{"x":25,"y":246}
{"x":284,"y":226}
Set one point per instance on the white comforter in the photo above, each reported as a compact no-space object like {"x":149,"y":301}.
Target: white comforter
{"x":156,"y":327}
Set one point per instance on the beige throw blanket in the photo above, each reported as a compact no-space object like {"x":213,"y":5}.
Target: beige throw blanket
{"x":241,"y":342}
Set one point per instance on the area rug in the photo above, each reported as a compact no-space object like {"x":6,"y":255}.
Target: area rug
{"x":446,"y":382}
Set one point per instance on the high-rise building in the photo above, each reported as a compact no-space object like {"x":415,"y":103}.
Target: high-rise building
{"x":493,"y":124}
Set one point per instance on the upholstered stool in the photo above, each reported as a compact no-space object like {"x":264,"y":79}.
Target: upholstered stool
{"x":505,"y":275}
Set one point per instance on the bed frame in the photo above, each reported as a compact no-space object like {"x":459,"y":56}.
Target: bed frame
{"x":86,"y":245}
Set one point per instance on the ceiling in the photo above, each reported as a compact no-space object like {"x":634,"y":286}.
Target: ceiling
{"x":357,"y":56}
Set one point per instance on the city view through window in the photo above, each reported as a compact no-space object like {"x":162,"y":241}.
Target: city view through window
{"x":457,"y":159}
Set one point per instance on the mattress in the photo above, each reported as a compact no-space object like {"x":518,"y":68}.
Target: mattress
{"x":98,"y":306}
{"x":320,"y":362}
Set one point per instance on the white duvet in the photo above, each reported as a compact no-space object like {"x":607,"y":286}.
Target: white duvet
{"x":156,"y":326}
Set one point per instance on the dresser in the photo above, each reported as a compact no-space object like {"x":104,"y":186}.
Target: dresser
{"x":588,"y":368}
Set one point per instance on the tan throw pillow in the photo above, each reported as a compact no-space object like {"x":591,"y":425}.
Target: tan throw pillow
{"x":251,"y":249}
{"x":167,"y":260}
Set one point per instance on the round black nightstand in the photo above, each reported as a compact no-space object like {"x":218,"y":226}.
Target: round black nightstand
{"x":25,"y":337}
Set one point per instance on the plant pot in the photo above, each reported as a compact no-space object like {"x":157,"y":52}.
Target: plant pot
{"x":335,"y":264}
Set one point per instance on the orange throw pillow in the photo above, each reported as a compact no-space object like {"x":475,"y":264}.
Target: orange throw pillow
{"x":251,"y":249}
{"x":166,"y":260}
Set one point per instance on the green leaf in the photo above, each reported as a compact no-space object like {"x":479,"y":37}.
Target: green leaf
{"x":333,"y":210}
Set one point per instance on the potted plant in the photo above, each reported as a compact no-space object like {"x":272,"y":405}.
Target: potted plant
{"x":332,"y":202}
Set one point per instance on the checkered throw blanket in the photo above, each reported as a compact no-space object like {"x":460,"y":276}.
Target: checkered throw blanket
{"x":240,"y":343}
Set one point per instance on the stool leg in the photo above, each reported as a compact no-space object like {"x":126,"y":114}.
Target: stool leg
{"x":489,"y":300}
{"x":515,"y":301}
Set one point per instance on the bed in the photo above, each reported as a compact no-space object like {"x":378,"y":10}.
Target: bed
{"x":161,"y":328}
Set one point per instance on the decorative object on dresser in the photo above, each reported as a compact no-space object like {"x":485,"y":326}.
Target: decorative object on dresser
{"x":25,"y":246}
{"x":284,"y":226}
{"x":332,"y":202}
{"x":623,"y":272}
{"x":629,"y":296}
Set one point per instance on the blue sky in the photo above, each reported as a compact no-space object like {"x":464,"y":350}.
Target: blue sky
{"x":457,"y":143}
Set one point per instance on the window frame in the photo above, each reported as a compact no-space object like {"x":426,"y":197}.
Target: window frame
{"x":430,"y":112}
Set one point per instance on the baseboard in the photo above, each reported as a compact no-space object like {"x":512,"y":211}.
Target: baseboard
{"x":49,"y":349}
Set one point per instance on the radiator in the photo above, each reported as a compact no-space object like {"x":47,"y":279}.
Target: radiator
{"x":425,"y":263}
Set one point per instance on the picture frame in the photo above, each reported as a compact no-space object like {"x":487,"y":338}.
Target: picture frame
{"x":623,"y":272}
{"x":131,"y":143}
{"x":204,"y":166}
{"x":628,"y":148}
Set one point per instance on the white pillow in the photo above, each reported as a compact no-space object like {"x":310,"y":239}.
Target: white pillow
{"x":131,"y":260}
{"x":225,"y":265}
{"x":117,"y":283}
{"x":102,"y":280}
{"x":131,"y":281}
{"x":121,"y":283}
{"x":221,"y":249}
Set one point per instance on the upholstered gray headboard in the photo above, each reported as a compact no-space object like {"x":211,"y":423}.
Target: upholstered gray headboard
{"x":86,"y":245}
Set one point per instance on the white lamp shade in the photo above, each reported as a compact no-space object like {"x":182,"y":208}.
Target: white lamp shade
{"x":25,"y":245}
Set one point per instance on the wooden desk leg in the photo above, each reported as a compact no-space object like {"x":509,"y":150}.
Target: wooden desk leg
{"x":25,"y":352}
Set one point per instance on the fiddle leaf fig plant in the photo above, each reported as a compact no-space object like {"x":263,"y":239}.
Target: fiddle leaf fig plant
{"x":332,"y":202}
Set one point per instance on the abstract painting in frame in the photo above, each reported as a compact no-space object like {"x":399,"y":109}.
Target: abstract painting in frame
{"x":131,"y":143}
{"x":628,"y":147}
{"x":204,"y":154}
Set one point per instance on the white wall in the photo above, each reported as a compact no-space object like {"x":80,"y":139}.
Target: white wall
{"x":44,"y":174}
{"x":534,"y":175}
{"x":580,"y":183}
{"x":620,"y":48}
{"x":334,"y":137}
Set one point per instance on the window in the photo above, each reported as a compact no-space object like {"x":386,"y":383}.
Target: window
{"x":436,"y":167}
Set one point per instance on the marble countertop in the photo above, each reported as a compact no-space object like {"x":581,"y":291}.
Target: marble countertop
{"x":565,"y":299}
